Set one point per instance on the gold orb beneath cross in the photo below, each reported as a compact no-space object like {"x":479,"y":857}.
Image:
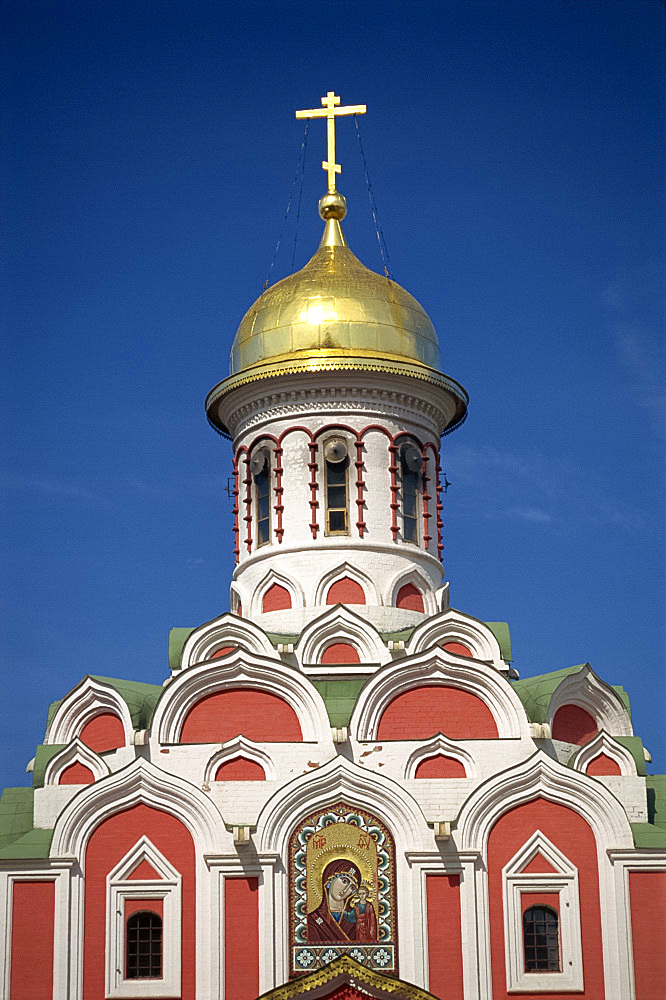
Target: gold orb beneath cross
{"x":333,"y":206}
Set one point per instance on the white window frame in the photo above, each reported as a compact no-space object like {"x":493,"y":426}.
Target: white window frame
{"x":516,"y":884}
{"x":120,"y":888}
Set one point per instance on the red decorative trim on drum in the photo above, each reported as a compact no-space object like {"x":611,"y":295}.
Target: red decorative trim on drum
{"x":427,"y":538}
{"x":278,"y":507}
{"x":439,"y":506}
{"x":360,"y":501}
{"x":247,"y":481}
{"x":234,"y":512}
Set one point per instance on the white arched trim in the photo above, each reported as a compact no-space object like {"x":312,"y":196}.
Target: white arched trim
{"x":138,"y":783}
{"x":454,"y":626}
{"x":587,"y":690}
{"x":75,"y":753}
{"x":88,"y":699}
{"x":341,"y":572}
{"x":420,"y":580}
{"x":436,"y":746}
{"x":541,"y":776}
{"x":241,"y":670}
{"x":439,"y":667}
{"x":227,"y":630}
{"x":603,"y":743}
{"x":341,"y":779}
{"x":340,"y":624}
{"x":240,"y":747}
{"x":290,"y":584}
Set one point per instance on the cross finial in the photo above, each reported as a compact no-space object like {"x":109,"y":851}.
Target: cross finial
{"x":330,"y":111}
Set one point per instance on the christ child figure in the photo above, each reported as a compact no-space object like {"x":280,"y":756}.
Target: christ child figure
{"x":366,"y":919}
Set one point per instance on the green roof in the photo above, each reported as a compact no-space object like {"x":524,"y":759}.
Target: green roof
{"x":177,"y":639}
{"x":140,"y":699}
{"x":340,"y":695}
{"x":501,"y":632}
{"x":18,"y":839}
{"x":43,"y":755}
{"x":535,"y":692}
{"x":16,"y":812}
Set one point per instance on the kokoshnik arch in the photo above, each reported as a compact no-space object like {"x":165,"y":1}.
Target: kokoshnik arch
{"x":342,"y":789}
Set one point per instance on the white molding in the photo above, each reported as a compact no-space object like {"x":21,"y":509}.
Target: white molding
{"x":603,"y":743}
{"x":454,"y":626}
{"x":241,"y":670}
{"x":540,"y":775}
{"x":140,"y":782}
{"x":588,"y":691}
{"x":341,"y":779}
{"x":564,"y":881}
{"x":339,"y":624}
{"x":433,"y":748}
{"x":240,"y":747}
{"x":433,"y":667}
{"x":121,"y":887}
{"x":340,"y":572}
{"x":88,"y":699}
{"x":75,"y":752}
{"x":230,"y":630}
{"x":421,"y":581}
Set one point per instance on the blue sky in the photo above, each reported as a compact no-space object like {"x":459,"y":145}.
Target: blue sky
{"x":516,"y":155}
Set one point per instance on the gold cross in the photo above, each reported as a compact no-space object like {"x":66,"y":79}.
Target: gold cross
{"x":330,"y":112}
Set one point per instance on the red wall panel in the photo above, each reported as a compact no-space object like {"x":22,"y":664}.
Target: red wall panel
{"x":572,"y":835}
{"x":340,"y":652}
{"x":241,"y":938}
{"x":258,"y":715}
{"x":444,"y":936}
{"x":108,"y":844}
{"x":603,"y":765}
{"x":33,"y":906}
{"x":240,"y":769}
{"x":104,"y":732}
{"x":573,"y":725}
{"x":409,"y":597}
{"x":345,"y":591}
{"x":425,"y":711}
{"x":648,"y":919}
{"x":459,"y":648}
{"x":76,"y":774}
{"x":440,"y":766}
{"x":276,"y":598}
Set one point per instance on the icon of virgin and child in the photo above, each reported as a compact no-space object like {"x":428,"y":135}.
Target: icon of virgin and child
{"x":346,"y":912}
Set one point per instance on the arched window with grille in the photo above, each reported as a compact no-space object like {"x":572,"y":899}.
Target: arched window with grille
{"x":410,"y":469}
{"x":541,"y":939}
{"x":143,"y":945}
{"x":260,"y":466}
{"x":336,"y":488}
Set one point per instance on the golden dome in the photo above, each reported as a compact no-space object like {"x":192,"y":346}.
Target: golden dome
{"x":335,"y":315}
{"x":333,"y":308}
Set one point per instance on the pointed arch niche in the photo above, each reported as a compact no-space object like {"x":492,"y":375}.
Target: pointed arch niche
{"x":585,"y":692}
{"x":603,"y":751}
{"x":347,"y":585}
{"x":225,"y":632}
{"x":435,"y":687}
{"x":94,"y":713}
{"x":454,"y":627}
{"x":341,"y":626}
{"x":412,"y":591}
{"x":240,"y":749}
{"x":442,"y":748}
{"x":276,"y":592}
{"x":75,"y":756}
{"x":215,"y":690}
